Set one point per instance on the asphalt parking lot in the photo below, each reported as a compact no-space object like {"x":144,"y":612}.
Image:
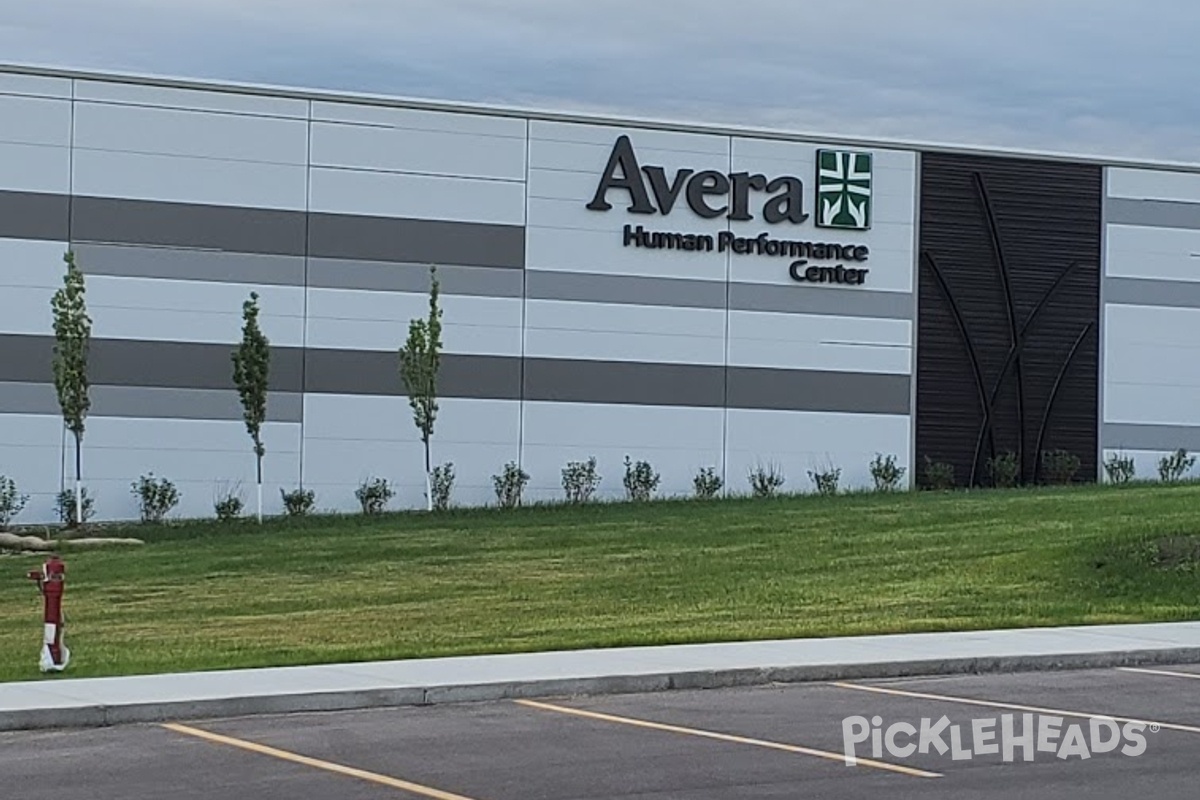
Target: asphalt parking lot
{"x":765,"y":742}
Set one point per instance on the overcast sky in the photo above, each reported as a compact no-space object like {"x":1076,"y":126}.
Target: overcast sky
{"x":1108,"y":77}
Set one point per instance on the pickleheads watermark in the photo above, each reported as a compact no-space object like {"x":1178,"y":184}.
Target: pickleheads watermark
{"x":1012,"y":737}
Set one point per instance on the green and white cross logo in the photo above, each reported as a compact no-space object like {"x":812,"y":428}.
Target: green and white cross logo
{"x":843,"y":189}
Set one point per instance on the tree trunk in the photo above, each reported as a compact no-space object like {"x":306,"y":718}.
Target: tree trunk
{"x":78,"y":475}
{"x":428,"y":477}
{"x":258,"y":484}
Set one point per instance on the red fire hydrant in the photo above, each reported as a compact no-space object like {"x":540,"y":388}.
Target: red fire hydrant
{"x":51,"y":581}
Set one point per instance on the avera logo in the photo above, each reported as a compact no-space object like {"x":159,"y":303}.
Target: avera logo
{"x":843,"y":189}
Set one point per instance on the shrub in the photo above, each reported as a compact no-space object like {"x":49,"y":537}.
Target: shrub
{"x":441,"y":481}
{"x":64,"y":505}
{"x":298,"y":502}
{"x":939,"y":475}
{"x":579,"y":480}
{"x":156,"y":497}
{"x":373,"y":495}
{"x":826,"y":480}
{"x":11,"y":503}
{"x":1003,"y":470}
{"x":640,"y":480}
{"x":707,"y":483}
{"x":765,"y":481}
{"x":1171,"y":468}
{"x":1059,"y":466}
{"x":886,"y":474}
{"x":1119,"y":468}
{"x":510,"y":485}
{"x":228,"y":504}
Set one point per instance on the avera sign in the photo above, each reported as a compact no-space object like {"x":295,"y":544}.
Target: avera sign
{"x":708,"y":193}
{"x":843,"y":190}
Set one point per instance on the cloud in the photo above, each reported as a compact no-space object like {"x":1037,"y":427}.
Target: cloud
{"x":1098,"y":75}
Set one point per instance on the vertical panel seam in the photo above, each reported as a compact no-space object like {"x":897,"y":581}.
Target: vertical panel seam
{"x":304,"y":329}
{"x":524,"y":304}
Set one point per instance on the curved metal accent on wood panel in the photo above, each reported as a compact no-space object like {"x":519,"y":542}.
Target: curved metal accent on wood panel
{"x":1062,"y":373}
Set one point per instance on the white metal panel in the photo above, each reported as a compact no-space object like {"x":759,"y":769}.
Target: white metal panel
{"x":602,"y":252}
{"x":334,"y":469}
{"x":1151,"y":325}
{"x":636,"y":347}
{"x":417,"y":196}
{"x":189,"y":180}
{"x":199,"y":456}
{"x":235,"y":102}
{"x":35,"y":168}
{"x":26,"y":310}
{"x":346,"y":318}
{"x":463,"y":338}
{"x":677,"y":442}
{"x":460,"y":420}
{"x":173,"y":132}
{"x":1147,"y":184}
{"x":799,"y":441}
{"x":618,"y":332}
{"x":419,"y":119}
{"x":31,"y":264}
{"x":653,"y":141}
{"x":822,"y":342}
{"x":200,"y":311}
{"x":456,"y":154}
{"x":1154,"y":366}
{"x":1145,"y":462}
{"x":35,"y":85}
{"x":353,"y":304}
{"x":1133,"y":251}
{"x":350,"y":438}
{"x":1150,"y":404}
{"x":35,"y":120}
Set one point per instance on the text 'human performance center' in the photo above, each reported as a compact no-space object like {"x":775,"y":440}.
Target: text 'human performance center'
{"x":687,"y":295}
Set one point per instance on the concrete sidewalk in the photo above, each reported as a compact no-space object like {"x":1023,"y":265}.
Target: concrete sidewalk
{"x":90,"y":702}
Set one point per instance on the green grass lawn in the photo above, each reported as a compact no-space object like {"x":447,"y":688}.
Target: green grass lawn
{"x":201,"y":596}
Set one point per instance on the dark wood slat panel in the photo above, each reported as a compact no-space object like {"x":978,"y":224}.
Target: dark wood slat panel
{"x":1048,"y":215}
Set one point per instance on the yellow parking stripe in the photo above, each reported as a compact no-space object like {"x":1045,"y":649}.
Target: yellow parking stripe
{"x":725,"y":737}
{"x":351,"y":772}
{"x":1012,"y":706}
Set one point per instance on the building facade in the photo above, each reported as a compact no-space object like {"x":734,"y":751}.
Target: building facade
{"x":689,"y":296}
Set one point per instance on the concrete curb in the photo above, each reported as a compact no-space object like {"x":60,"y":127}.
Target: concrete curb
{"x":96,"y":716}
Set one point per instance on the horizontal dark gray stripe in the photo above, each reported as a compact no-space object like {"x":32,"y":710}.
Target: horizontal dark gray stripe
{"x":179,"y":365}
{"x":814,"y":390}
{"x":107,"y":220}
{"x":138,"y":261}
{"x":206,"y":227}
{"x":126,"y":362}
{"x":29,"y":215}
{"x":689,"y":293}
{"x":1152,"y":213}
{"x":134,"y":261}
{"x":568,"y":380}
{"x":378,"y":373}
{"x":595,"y":288}
{"x":815,"y":300}
{"x":1166,"y":438}
{"x":149,"y":402}
{"x":413,"y":240}
{"x":1140,"y":291}
{"x":326,"y":273}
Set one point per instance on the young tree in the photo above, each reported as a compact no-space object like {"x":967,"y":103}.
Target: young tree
{"x":420,"y":360}
{"x":251,"y":366}
{"x":72,"y":334}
